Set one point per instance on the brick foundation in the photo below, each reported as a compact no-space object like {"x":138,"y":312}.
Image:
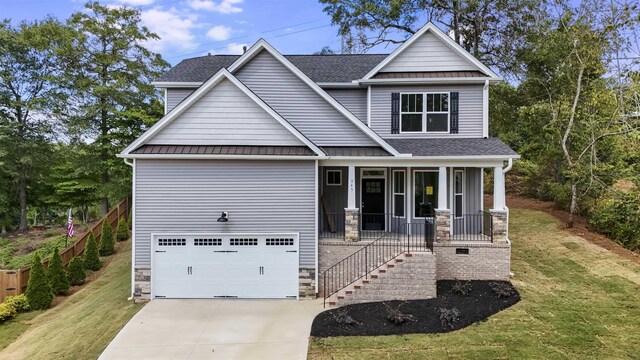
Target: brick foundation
{"x":142,"y":284}
{"x":443,"y":225}
{"x":485,"y":261}
{"x":351,"y":225}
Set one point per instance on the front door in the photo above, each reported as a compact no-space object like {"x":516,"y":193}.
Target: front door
{"x":373,"y":204}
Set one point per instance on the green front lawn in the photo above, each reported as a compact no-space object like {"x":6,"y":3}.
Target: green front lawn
{"x":82,"y":325}
{"x":578,"y":301}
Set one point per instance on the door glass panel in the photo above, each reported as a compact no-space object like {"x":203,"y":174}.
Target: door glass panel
{"x":426,"y":191}
{"x":398,"y":205}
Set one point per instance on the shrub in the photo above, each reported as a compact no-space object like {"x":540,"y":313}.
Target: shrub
{"x":75,"y":271}
{"x":39,"y":291}
{"x":91,"y":258}
{"x":462,"y":288}
{"x":107,"y":244}
{"x":619,"y":218}
{"x":342,"y":318}
{"x":6,"y":312}
{"x":448,"y":317}
{"x":56,"y":274}
{"x":395,"y":316}
{"x":502,"y":289}
{"x":19,"y":303}
{"x":122,"y":231}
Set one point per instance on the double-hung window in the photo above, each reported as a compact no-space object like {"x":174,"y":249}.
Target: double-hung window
{"x":398,"y":193}
{"x":424,"y":112}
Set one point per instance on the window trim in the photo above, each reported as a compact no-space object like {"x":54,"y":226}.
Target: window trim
{"x":327,"y":177}
{"x":461,"y":194}
{"x":424,"y":113}
{"x":394,"y":193}
{"x":413,"y":201}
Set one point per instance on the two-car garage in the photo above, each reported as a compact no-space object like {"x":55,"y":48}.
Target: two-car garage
{"x":212,"y":265}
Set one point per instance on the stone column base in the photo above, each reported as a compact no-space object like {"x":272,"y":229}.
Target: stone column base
{"x":307,"y":283}
{"x":351,"y":225}
{"x":499,"y":224}
{"x":443,"y":225}
{"x":142,"y":284}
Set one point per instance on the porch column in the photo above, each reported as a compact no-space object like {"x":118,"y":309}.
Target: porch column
{"x":442,"y":213}
{"x":351,"y":213}
{"x":499,"y":213}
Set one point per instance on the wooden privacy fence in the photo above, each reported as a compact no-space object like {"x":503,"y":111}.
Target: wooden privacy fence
{"x":14,"y":282}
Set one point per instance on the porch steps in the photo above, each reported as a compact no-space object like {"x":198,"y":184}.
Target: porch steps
{"x":407,"y":277}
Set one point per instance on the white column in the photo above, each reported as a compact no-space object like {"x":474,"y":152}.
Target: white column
{"x":498,"y":189}
{"x":351,"y":188}
{"x":442,"y":188}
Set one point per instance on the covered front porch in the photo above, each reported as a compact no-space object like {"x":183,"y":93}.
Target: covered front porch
{"x":435,"y":202}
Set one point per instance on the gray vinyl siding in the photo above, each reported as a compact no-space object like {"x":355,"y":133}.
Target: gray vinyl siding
{"x":473,"y":190}
{"x":428,"y":53}
{"x":189,"y":195}
{"x":355,"y":100}
{"x":335,"y":196}
{"x":470,"y":110}
{"x":175,"y":96}
{"x":225,"y":116}
{"x":299,"y":104}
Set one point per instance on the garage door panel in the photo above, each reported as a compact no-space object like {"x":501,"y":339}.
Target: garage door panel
{"x":212,"y":265}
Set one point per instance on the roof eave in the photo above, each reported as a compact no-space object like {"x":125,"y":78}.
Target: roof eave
{"x":176,"y":84}
{"x":456,"y":80}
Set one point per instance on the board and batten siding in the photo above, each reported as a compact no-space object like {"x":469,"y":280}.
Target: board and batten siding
{"x":225,"y":116}
{"x":428,"y":53}
{"x":470,"y":110}
{"x":355,"y":100}
{"x":189,"y":195}
{"x":473,"y":190}
{"x":175,"y":97}
{"x":299,"y":104}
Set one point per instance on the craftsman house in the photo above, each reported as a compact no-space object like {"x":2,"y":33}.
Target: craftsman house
{"x":354,"y":177}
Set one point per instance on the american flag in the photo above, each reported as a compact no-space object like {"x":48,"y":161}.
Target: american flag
{"x":70,"y":225}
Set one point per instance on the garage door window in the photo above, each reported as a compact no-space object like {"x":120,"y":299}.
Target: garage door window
{"x":244,"y":242}
{"x":207,"y":242}
{"x":172,"y":242}
{"x":280,"y":242}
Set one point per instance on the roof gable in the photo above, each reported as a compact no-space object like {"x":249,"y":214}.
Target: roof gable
{"x":272,"y":59}
{"x":211,"y":116}
{"x":429,"y":50}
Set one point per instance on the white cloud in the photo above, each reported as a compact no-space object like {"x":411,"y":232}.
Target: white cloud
{"x":219,"y":33}
{"x":235,"y":49}
{"x":174,"y":31}
{"x":136,"y":2}
{"x":223,"y":7}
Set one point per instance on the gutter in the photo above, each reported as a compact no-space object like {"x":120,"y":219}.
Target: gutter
{"x":457,"y":80}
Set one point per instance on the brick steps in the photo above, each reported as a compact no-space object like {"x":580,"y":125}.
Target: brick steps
{"x":408,"y":277}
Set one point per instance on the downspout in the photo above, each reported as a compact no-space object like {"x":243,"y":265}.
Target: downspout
{"x":504,"y":178}
{"x":133,"y":251}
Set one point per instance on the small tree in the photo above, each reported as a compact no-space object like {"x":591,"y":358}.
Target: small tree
{"x":56,"y":274}
{"x":91,"y":258}
{"x":39,"y":291}
{"x":122,"y":231}
{"x":107,"y":244}
{"x":75,"y":271}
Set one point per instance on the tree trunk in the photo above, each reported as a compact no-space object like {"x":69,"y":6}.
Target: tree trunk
{"x":22,"y":200}
{"x":573,"y":209}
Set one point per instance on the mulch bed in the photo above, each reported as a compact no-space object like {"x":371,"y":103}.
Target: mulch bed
{"x":371,"y":318}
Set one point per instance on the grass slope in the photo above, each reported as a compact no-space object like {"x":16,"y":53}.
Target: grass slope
{"x":82,"y":325}
{"x":578,"y":301}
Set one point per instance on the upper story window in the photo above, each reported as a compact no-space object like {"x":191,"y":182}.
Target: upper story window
{"x":424,"y":112}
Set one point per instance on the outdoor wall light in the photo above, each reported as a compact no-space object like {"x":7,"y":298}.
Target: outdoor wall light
{"x":224,"y":217}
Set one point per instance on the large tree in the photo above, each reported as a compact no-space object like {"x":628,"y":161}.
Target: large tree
{"x":112,"y":72}
{"x":30,"y":96}
{"x":488,"y":29}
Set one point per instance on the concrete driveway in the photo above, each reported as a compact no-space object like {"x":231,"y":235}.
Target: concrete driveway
{"x":217,"y":329}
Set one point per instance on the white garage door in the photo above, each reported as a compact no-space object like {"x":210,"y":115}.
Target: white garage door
{"x":225,"y":265}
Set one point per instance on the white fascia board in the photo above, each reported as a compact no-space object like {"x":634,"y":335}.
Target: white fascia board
{"x":176,"y":84}
{"x":263,"y":44}
{"x":201,"y":91}
{"x":338,"y":85}
{"x":446,"y":81}
{"x":410,"y":162}
{"x":219,"y":157}
{"x":440,"y":35}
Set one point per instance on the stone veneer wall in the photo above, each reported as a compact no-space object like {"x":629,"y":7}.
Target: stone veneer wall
{"x":307,"y":283}
{"x":142,"y":284}
{"x":443,"y":225}
{"x":351,"y":225}
{"x":485,"y":261}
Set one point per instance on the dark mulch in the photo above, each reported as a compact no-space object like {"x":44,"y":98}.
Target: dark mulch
{"x":371,"y":318}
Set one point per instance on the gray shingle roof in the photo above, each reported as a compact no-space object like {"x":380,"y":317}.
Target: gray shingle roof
{"x":320,"y":68}
{"x":452,"y":147}
{"x":354,"y":151}
{"x":223,"y":150}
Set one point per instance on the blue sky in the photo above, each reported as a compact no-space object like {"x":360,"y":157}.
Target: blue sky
{"x":191,"y":28}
